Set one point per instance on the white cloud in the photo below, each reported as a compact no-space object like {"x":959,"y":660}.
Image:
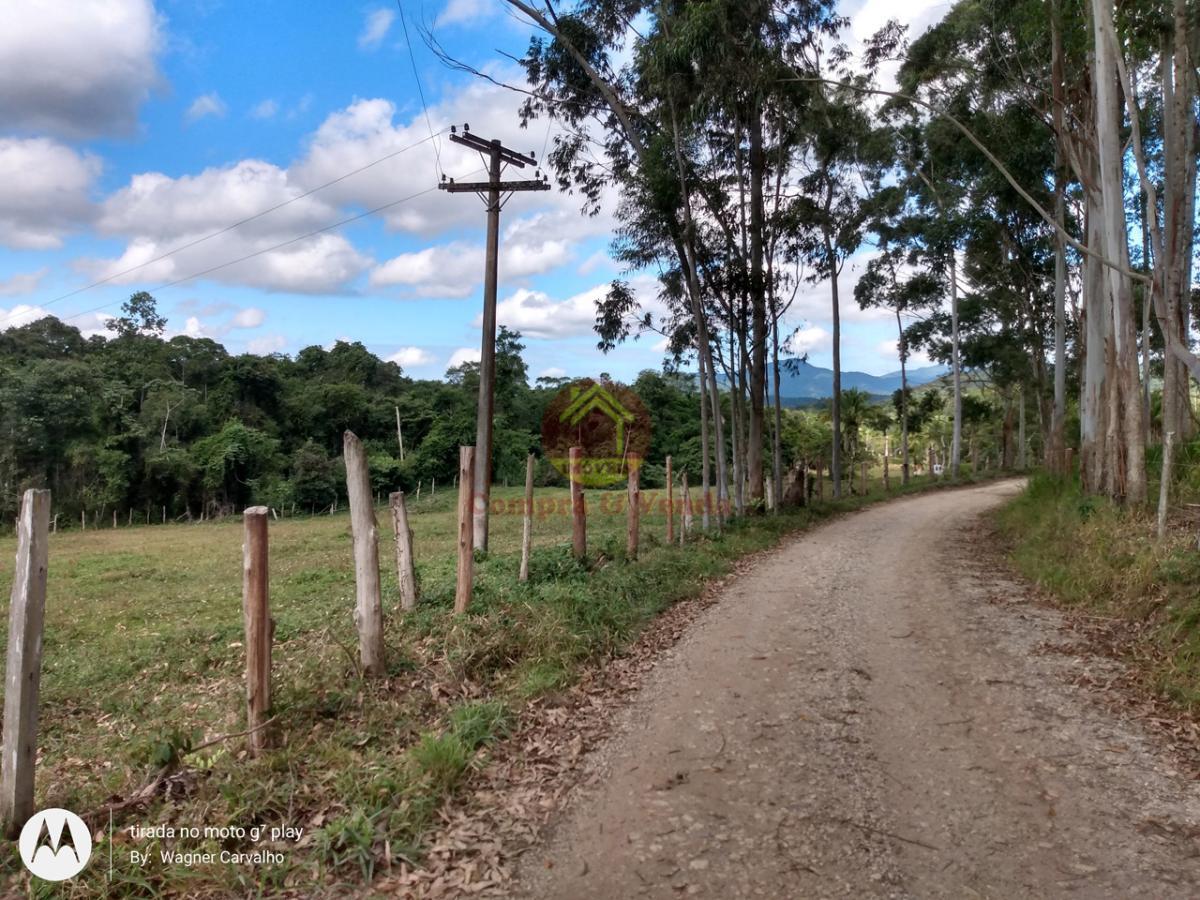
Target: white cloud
{"x":209,"y":104}
{"x":367,"y":130}
{"x":552,"y":372}
{"x":264,"y":110}
{"x":462,"y":12}
{"x":21,"y":314}
{"x":177,"y":211}
{"x":157,"y":213}
{"x":889,"y":350}
{"x":456,"y":269}
{"x":810,"y":339}
{"x":77,"y":69}
{"x":45,"y":191}
{"x":250,"y":317}
{"x":536,"y":315}
{"x":411,"y":357}
{"x":451,"y":270}
{"x":375,"y":29}
{"x":462,"y":355}
{"x":264,"y":346}
{"x":22,"y":283}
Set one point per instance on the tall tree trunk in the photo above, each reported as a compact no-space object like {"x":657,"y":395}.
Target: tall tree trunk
{"x":1127,"y":478}
{"x":776,"y":437}
{"x":1146,"y":303}
{"x":902,"y":344}
{"x":1179,"y":199}
{"x":758,"y":309}
{"x":705,"y":480}
{"x":835,"y":468}
{"x":1058,"y":435}
{"x":956,"y":446}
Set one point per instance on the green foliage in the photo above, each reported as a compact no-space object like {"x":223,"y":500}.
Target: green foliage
{"x":1091,"y":553}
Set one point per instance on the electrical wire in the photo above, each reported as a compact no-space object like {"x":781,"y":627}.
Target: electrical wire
{"x":273,"y":247}
{"x":237,"y":224}
{"x":420,"y":90}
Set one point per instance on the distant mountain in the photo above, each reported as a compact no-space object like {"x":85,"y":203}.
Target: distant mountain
{"x":802,"y":384}
{"x":809,"y":385}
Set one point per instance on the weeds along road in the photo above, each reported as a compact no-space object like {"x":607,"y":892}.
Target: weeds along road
{"x":872,"y":712}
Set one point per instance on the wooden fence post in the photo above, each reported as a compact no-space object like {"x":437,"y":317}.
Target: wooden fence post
{"x":887,"y":478}
{"x":527,"y":520}
{"x":670,"y":504}
{"x":406,"y":572}
{"x":260,"y":629}
{"x":368,"y":607}
{"x":465,"y":583}
{"x":821,"y":480}
{"x":27,"y":611}
{"x":1070,"y":460}
{"x":931,"y":462}
{"x":1164,"y":484}
{"x":863,"y":479}
{"x":578,"y":504}
{"x":685,"y":523}
{"x":635,"y":501}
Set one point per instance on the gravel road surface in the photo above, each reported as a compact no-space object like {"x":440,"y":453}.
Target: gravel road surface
{"x":874,"y":711}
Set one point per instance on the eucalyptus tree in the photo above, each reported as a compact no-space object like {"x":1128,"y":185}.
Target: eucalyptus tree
{"x":989,"y":55}
{"x":844,"y":163}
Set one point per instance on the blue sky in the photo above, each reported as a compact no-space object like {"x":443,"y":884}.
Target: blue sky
{"x":132,"y":127}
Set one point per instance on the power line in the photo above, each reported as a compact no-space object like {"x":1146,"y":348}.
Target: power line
{"x":273,"y":247}
{"x":420,"y":90}
{"x":231,"y":227}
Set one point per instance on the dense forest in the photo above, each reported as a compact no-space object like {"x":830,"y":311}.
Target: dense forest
{"x":133,"y":422}
{"x":1019,"y":180}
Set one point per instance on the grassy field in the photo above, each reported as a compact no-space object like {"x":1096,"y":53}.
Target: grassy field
{"x":143,"y":662}
{"x":1107,"y":561}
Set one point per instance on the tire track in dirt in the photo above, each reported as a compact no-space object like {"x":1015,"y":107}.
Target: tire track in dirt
{"x":867,"y":713}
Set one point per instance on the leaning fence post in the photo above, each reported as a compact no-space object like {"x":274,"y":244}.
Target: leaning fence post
{"x":635,"y":502}
{"x":1164,"y":484}
{"x":27,"y":611}
{"x":368,"y":607}
{"x":260,"y":629}
{"x":670,"y":505}
{"x":527,"y":517}
{"x":578,"y":507}
{"x":405,"y":570}
{"x":465,"y":582}
{"x":685,"y":524}
{"x":863,"y":479}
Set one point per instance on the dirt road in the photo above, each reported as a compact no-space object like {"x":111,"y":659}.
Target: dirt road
{"x":872,"y":712}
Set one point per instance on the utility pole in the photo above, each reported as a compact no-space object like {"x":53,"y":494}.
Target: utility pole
{"x":490,"y":191}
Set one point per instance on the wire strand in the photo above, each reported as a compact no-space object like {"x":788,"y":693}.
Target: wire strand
{"x":273,"y":247}
{"x":437,"y":153}
{"x":231,"y":227}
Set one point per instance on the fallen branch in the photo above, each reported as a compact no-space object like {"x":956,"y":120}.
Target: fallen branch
{"x":229,"y":737}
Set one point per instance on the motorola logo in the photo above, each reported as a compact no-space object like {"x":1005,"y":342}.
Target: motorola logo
{"x":55,"y":844}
